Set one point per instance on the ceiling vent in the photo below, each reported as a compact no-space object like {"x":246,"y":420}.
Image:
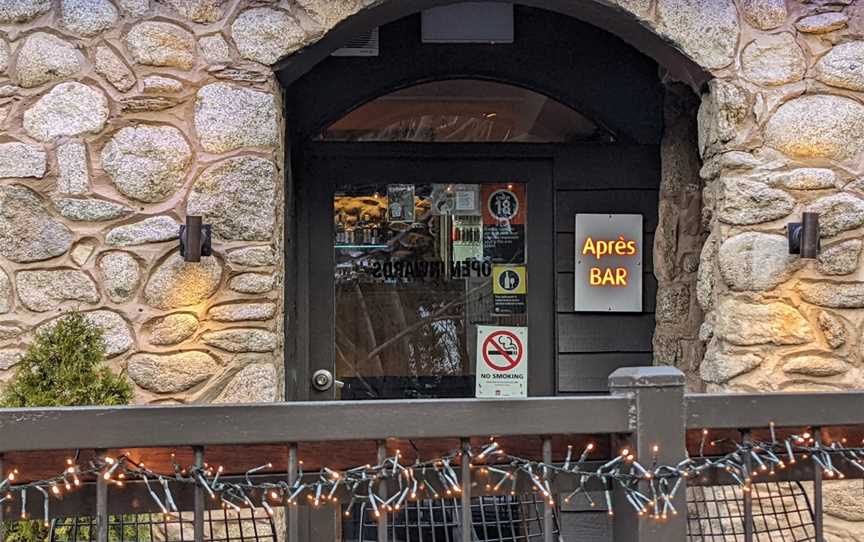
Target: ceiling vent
{"x":365,"y":44}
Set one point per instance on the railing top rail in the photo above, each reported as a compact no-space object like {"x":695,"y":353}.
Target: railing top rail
{"x":754,"y":410}
{"x":156,"y":426}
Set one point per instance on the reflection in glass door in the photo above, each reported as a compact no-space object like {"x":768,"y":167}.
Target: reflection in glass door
{"x":418,"y":267}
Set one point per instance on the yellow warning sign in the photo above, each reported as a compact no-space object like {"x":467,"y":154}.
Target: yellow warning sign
{"x":509,"y":279}
{"x":509,"y":289}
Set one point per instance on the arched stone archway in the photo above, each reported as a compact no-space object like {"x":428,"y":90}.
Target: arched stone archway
{"x":754,"y":131}
{"x":687,"y":38}
{"x":677,"y":340}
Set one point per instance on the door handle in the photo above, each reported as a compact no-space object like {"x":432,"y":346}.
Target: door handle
{"x":323,"y":380}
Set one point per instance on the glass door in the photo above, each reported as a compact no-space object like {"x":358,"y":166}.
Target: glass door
{"x":419,"y":271}
{"x":412,"y":258}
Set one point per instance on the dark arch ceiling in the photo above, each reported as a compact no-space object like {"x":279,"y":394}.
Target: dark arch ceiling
{"x":571,"y":61}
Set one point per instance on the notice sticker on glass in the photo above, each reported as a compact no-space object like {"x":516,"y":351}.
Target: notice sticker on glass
{"x":467,"y":238}
{"x":509,"y":289}
{"x":400,"y":202}
{"x":467,"y":201}
{"x":505,"y":207}
{"x":502,"y":362}
{"x":443,"y":199}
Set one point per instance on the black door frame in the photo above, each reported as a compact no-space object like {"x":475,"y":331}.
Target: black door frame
{"x":417,"y":164}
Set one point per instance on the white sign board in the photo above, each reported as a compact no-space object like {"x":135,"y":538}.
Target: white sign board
{"x":502,"y":362}
{"x":608,"y":271}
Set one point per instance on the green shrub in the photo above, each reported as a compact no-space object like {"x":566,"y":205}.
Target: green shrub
{"x":63,"y":366}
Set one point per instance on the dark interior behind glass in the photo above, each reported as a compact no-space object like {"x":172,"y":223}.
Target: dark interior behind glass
{"x":413,"y":278}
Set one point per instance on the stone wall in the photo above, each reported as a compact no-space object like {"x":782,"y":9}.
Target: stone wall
{"x":118,"y":119}
{"x":681,"y":232}
{"x":781,"y":131}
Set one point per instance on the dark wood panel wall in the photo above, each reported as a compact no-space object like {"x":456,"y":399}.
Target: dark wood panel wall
{"x":617,"y":178}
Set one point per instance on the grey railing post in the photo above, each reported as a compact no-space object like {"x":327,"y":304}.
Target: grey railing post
{"x":382,"y":519}
{"x":101,"y":503}
{"x":467,"y":527}
{"x":292,"y":515}
{"x":2,"y":514}
{"x":818,"y":507}
{"x":198,"y":518}
{"x":547,"y":508}
{"x":658,"y":421}
{"x":747,"y":493}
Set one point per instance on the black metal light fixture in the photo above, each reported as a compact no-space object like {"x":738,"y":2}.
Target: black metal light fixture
{"x":804,"y":236}
{"x":195,"y":239}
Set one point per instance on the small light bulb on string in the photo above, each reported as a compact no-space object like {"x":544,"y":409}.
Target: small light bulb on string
{"x":267,"y":508}
{"x":702,"y":442}
{"x":588,"y":449}
{"x":567,"y":458}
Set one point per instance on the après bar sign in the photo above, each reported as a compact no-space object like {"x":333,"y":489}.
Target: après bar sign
{"x":608,"y":263}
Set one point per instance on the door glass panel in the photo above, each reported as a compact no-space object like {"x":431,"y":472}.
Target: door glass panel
{"x":465,"y":110}
{"x":414,"y":273}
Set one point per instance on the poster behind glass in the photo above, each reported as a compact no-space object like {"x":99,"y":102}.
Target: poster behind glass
{"x":414,"y":273}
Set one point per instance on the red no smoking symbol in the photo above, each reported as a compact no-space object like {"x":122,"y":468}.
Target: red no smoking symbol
{"x":505,"y":345}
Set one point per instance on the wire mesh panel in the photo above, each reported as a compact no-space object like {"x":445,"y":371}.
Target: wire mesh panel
{"x":781,"y":513}
{"x":494,"y":518}
{"x":247,"y":525}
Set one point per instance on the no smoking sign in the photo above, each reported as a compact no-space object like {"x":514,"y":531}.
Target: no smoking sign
{"x":502,"y":351}
{"x":502,"y":362}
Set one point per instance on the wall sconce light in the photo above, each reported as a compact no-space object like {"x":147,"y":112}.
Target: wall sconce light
{"x":195,"y":239}
{"x":804,"y":236}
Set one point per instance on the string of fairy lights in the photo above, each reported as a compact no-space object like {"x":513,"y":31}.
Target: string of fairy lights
{"x":647,"y":486}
